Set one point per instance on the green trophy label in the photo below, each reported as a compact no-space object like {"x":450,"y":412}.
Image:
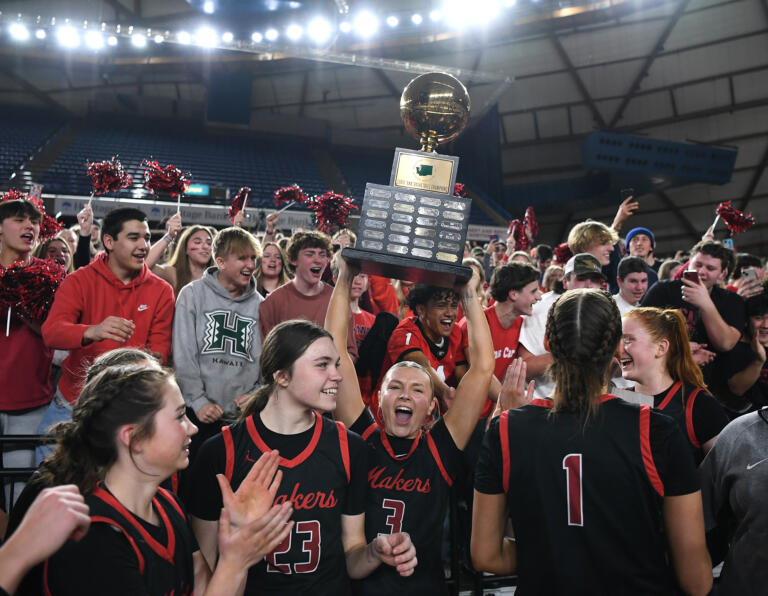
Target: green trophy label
{"x":418,"y":170}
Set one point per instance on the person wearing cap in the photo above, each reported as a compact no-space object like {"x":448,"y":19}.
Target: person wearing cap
{"x":581,"y":271}
{"x":641,"y":243}
{"x":633,"y":283}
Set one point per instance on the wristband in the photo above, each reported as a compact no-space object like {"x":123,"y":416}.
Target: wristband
{"x":268,"y":231}
{"x":167,"y":239}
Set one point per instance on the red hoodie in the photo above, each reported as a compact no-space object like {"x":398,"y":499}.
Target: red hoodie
{"x":90,"y":295}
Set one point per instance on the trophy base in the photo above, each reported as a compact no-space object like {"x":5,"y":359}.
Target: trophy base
{"x":407,"y":268}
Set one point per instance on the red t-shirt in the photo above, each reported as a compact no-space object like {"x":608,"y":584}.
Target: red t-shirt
{"x":363,"y":323}
{"x":505,"y":343}
{"x":407,"y":337}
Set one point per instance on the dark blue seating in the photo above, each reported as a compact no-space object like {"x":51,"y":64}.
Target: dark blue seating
{"x":22,"y":132}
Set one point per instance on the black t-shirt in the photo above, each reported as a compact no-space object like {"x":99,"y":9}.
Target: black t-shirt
{"x":124,"y":555}
{"x":324,"y":475}
{"x":409,"y":481}
{"x":700,"y":420}
{"x":668,"y":294}
{"x":585,"y":501}
{"x":734,"y":362}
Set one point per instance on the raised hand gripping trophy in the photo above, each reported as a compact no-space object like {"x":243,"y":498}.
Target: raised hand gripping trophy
{"x":415,"y":228}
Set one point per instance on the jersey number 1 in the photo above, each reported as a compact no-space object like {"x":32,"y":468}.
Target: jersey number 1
{"x":572,"y":467}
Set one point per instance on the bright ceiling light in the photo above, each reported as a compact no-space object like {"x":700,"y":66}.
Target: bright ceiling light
{"x":393,"y":21}
{"x":345,"y":26}
{"x":19,"y":32}
{"x":159,"y":38}
{"x":184,"y":38}
{"x":206,"y":37}
{"x":509,"y":3}
{"x":112,"y":41}
{"x":294,"y":32}
{"x":366,"y":24}
{"x":417,"y":19}
{"x":94,"y":40}
{"x":435,"y":15}
{"x":138,"y":40}
{"x":68,"y":36}
{"x":459,"y":13}
{"x":208,"y":7}
{"x":41,"y":34}
{"x":227,"y":37}
{"x":257,"y":37}
{"x":271,"y":34}
{"x":319,"y":30}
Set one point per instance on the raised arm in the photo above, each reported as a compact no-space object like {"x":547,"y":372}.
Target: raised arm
{"x":349,"y":402}
{"x":158,"y":248}
{"x":461,"y":418}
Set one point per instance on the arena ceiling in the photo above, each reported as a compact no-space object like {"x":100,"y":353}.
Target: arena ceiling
{"x":680,"y":70}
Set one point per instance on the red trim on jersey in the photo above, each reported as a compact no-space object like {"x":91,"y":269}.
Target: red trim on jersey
{"x":606,"y":397}
{"x":344,"y":444}
{"x":175,"y":482}
{"x":286,"y":463}
{"x":166,"y":552}
{"x":689,"y":419}
{"x":504,"y":438}
{"x":388,"y":447}
{"x":45,"y":579}
{"x":645,"y":450}
{"x":542,"y":403}
{"x":370,"y":430}
{"x":229,"y":452}
{"x":172,"y":501}
{"x":670,"y":394}
{"x":438,"y":460}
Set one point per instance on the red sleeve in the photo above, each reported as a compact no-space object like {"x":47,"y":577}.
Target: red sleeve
{"x":159,"y":340}
{"x":62,"y":330}
{"x":406,"y":338}
{"x":383,"y":295}
{"x":463,"y":355}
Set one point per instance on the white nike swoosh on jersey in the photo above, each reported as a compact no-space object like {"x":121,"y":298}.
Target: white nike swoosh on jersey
{"x":142,"y":307}
{"x":750,"y":466}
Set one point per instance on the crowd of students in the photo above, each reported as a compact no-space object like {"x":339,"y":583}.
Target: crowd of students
{"x":245,"y":413}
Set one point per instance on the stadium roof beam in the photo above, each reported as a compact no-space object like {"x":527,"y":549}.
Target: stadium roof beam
{"x":35,"y":91}
{"x":648,"y":62}
{"x":749,"y":193}
{"x":598,"y":117}
{"x":689,"y":227}
{"x":387,"y":82}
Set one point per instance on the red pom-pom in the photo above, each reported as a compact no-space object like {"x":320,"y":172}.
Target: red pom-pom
{"x":735,"y":220}
{"x":108,"y":176}
{"x":238,"y":202}
{"x":517,"y":231}
{"x":286,"y":194}
{"x":49,"y":227}
{"x":28,"y":289}
{"x":530,"y":223}
{"x":562,"y":253}
{"x":331,"y":210}
{"x":459,"y":190}
{"x":169,"y":179}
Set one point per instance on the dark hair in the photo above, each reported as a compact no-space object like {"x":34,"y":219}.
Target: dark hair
{"x":113,"y":222}
{"x":86,"y":446}
{"x":302,"y":240}
{"x":544,"y":252}
{"x":20,"y":208}
{"x":283,"y":346}
{"x":629,"y":265}
{"x":511,"y":276}
{"x":757,"y":305}
{"x":583,"y":330}
{"x":744,"y":260}
{"x":715,"y":249}
{"x":420,"y":294}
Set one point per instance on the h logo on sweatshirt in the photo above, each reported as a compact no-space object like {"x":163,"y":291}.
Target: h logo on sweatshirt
{"x":228,"y":333}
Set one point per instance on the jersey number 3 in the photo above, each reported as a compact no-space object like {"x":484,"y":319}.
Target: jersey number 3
{"x":572,"y":467}
{"x":310,"y":545}
{"x":394,"y":521}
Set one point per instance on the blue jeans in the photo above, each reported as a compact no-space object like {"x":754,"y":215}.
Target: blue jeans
{"x":59,"y":410}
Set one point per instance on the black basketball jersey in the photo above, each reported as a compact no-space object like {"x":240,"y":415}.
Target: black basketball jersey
{"x":585,"y":498}
{"x":697,"y":413}
{"x":164,"y":560}
{"x":311,"y":560}
{"x":408,"y":492}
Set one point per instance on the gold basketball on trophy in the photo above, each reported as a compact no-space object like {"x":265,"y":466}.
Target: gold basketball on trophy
{"x":434,"y":108}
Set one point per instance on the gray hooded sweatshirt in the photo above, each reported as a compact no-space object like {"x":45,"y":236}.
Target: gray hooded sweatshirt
{"x":216,"y":343}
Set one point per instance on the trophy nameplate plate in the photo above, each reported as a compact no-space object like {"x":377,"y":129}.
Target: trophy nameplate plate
{"x":423,"y":170}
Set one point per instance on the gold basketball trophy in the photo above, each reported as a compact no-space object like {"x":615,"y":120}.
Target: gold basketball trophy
{"x":415,"y":228}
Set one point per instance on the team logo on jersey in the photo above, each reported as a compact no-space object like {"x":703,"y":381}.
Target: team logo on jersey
{"x":377,"y":478}
{"x":228,"y":332}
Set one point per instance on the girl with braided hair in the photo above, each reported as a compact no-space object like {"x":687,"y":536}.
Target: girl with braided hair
{"x":128,"y":433}
{"x":599,"y":491}
{"x":655,"y":353}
